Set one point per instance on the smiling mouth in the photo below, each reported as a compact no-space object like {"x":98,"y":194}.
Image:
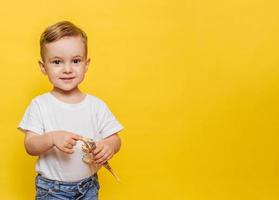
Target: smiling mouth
{"x":67,"y":78}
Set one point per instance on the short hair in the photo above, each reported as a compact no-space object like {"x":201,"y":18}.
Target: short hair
{"x":59,"y":30}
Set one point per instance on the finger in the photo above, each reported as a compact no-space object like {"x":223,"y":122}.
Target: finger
{"x":66,"y":150}
{"x":73,"y":142}
{"x":69,"y":146}
{"x":104,"y":158}
{"x":76,"y":137}
{"x":101,"y":160}
{"x":98,"y":149}
{"x":99,"y":155}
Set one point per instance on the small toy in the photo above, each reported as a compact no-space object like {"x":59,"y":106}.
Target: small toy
{"x":88,"y":147}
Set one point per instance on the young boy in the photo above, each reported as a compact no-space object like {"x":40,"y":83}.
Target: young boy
{"x":55,"y":121}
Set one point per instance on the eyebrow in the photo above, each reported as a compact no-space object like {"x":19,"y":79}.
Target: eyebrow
{"x":54,"y":57}
{"x":57,"y":57}
{"x":78,"y":56}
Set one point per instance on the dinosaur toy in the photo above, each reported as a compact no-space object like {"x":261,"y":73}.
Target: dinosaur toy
{"x":88,"y":147}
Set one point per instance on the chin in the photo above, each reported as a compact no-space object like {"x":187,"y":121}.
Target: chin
{"x":66,"y":89}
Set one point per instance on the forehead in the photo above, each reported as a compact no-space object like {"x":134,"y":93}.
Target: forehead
{"x":65,"y":47}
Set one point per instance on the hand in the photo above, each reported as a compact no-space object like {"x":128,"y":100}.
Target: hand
{"x":65,"y":141}
{"x":103,"y":152}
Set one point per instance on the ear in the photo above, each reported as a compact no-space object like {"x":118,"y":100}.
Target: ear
{"x":87,"y":64}
{"x":42,"y":67}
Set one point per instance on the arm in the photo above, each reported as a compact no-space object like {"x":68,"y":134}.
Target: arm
{"x":36,"y":144}
{"x":106,"y":148}
{"x":114,"y":141}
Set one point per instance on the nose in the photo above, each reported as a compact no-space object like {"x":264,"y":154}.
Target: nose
{"x":67,"y":68}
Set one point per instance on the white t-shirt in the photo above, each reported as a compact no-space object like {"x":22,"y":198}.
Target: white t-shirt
{"x":90,"y":118}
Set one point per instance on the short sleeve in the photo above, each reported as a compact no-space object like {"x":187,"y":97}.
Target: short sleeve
{"x":106,"y":121}
{"x":32,"y":119}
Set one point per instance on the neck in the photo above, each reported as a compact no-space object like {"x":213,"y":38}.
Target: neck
{"x":71,"y":96}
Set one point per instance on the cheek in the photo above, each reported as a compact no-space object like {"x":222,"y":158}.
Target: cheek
{"x":81,"y":71}
{"x":53,"y":74}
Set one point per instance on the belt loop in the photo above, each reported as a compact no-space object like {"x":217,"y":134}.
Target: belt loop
{"x":56,"y":186}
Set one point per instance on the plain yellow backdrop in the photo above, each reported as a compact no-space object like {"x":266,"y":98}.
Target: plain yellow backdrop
{"x":194,"y":82}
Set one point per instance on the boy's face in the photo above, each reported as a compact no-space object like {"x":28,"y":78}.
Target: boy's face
{"x":65,"y":63}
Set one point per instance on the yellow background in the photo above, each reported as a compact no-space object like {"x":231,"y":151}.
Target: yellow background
{"x":194,"y":82}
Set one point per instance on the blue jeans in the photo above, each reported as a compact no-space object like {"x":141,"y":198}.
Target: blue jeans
{"x":86,"y":189}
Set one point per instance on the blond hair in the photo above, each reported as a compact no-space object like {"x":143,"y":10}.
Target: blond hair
{"x":59,"y":30}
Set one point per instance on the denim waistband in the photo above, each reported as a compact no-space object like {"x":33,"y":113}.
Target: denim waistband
{"x":81,"y":182}
{"x":81,"y":185}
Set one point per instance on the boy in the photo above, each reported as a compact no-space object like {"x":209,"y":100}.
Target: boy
{"x":55,"y":121}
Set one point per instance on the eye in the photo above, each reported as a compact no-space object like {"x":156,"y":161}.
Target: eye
{"x":56,"y":62}
{"x":77,"y":61}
